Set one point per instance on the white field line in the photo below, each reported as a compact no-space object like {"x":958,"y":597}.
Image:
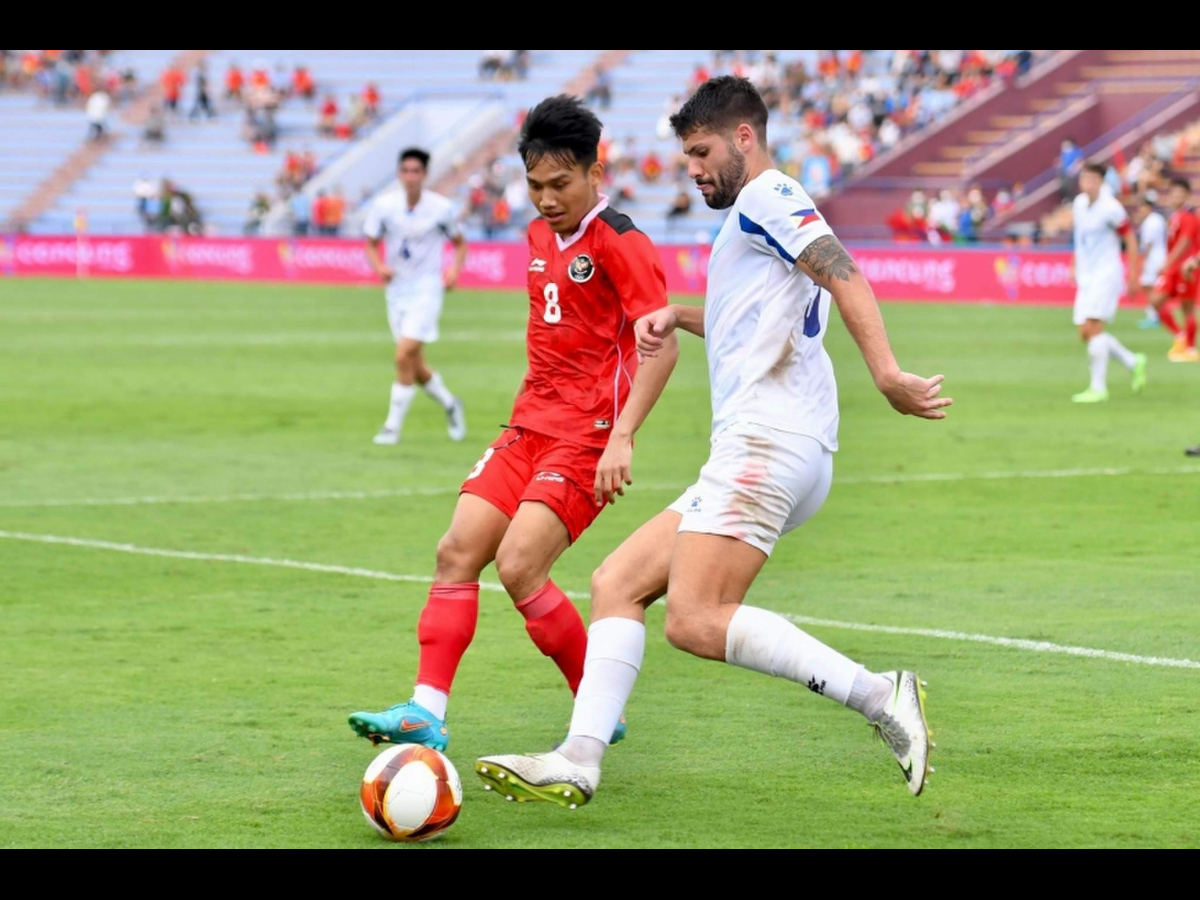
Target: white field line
{"x":453,"y":489}
{"x":235,"y":498}
{"x":224,"y":339}
{"x":1013,"y":643}
{"x":936,"y":633}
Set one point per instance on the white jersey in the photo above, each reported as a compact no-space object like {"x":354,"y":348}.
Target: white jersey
{"x":765,"y":320}
{"x":1097,"y":239}
{"x":1152,"y":243}
{"x":413,"y":238}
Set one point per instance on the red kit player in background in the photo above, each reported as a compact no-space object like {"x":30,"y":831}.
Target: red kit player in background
{"x":568,"y":448}
{"x":1178,"y":280}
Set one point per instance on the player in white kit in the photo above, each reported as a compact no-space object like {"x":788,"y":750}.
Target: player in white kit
{"x":774,"y":268}
{"x":412,"y":225}
{"x":1152,"y":245}
{"x":1101,"y":226}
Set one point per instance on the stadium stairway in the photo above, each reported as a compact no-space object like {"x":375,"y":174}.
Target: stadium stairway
{"x":1009,"y":135}
{"x":211,"y":159}
{"x":44,"y":147}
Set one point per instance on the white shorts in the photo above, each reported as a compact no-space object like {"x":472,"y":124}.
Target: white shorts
{"x":1098,"y":300}
{"x":414,"y":309}
{"x":758,"y":484}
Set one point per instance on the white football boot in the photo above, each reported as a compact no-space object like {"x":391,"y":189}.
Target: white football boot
{"x":544,"y":776}
{"x":903,"y":728}
{"x":387,"y":436}
{"x":456,"y":421}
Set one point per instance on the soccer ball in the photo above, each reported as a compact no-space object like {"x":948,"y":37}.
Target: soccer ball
{"x":411,"y":793}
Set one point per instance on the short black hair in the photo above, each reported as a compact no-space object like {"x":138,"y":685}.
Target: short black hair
{"x":562,"y":128}
{"x":1095,"y":168}
{"x":1180,"y":181}
{"x":414,"y":153}
{"x":720,"y":105}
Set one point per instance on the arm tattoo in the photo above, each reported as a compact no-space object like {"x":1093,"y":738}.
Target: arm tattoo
{"x":828,"y":260}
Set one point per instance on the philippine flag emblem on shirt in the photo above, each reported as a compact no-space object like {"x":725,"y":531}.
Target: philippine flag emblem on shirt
{"x":805,"y":216}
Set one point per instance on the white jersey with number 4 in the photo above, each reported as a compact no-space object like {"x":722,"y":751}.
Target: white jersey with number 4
{"x":765,"y":320}
{"x":1098,"y":229}
{"x":413,"y":238}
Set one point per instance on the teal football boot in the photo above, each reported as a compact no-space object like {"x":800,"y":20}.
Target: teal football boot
{"x":404,"y":723}
{"x":618,"y":732}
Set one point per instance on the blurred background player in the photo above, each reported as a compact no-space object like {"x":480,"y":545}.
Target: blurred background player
{"x":774,"y":267}
{"x":568,"y":449}
{"x":1187,"y":304}
{"x":1173,"y":284}
{"x":1101,"y":227}
{"x":1152,"y":245}
{"x":413,"y":225}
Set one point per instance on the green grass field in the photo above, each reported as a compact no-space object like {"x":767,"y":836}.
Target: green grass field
{"x":176,"y":700}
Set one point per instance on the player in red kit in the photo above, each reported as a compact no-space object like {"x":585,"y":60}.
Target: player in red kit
{"x":1178,"y":281}
{"x":568,"y":448}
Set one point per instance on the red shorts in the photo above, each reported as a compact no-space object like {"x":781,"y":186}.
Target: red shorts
{"x":524,"y":465}
{"x":1175,"y":286}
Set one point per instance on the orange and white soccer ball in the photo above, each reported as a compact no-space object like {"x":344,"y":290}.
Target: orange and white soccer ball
{"x":411,"y":793}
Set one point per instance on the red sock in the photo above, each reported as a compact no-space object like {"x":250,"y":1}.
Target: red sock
{"x":557,"y":630}
{"x":445,"y":630}
{"x":1168,"y":319}
{"x":1189,"y":329}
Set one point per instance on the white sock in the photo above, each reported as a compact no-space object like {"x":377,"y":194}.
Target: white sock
{"x":1097,"y":350}
{"x":402,"y":395}
{"x":1116,"y":349}
{"x":436,"y":388}
{"x":769,"y":643}
{"x":614,"y":658}
{"x":432,"y":699}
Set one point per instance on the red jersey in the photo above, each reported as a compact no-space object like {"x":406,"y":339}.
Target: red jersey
{"x":1183,"y":224}
{"x":583,"y":301}
{"x":172,"y":81}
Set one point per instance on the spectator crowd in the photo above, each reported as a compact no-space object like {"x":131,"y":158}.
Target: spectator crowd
{"x":66,"y":76}
{"x":831,"y":114}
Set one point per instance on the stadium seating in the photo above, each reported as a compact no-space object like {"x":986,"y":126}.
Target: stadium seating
{"x":37,"y":140}
{"x":211,"y":159}
{"x":642,"y":92}
{"x":39,"y":136}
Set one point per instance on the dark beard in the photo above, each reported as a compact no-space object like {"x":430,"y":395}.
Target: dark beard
{"x":728,"y":183}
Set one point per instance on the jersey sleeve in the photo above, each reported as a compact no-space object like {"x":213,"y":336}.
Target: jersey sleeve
{"x":1118,"y":219}
{"x":373,"y":226}
{"x":633,"y":267}
{"x":781,"y":221}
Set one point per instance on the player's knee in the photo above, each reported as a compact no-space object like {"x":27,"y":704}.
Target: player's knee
{"x":408,"y":354}
{"x":457,"y":561}
{"x":696,"y":627}
{"x":683,"y":632}
{"x":519,"y":572}
{"x":608,"y":596}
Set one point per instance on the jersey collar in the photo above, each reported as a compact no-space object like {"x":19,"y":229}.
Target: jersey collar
{"x":563,"y":244}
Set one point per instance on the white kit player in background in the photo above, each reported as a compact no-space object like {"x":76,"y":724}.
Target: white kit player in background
{"x":774,"y":268}
{"x":412,"y":225}
{"x":1152,"y":244}
{"x":1101,"y":226}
